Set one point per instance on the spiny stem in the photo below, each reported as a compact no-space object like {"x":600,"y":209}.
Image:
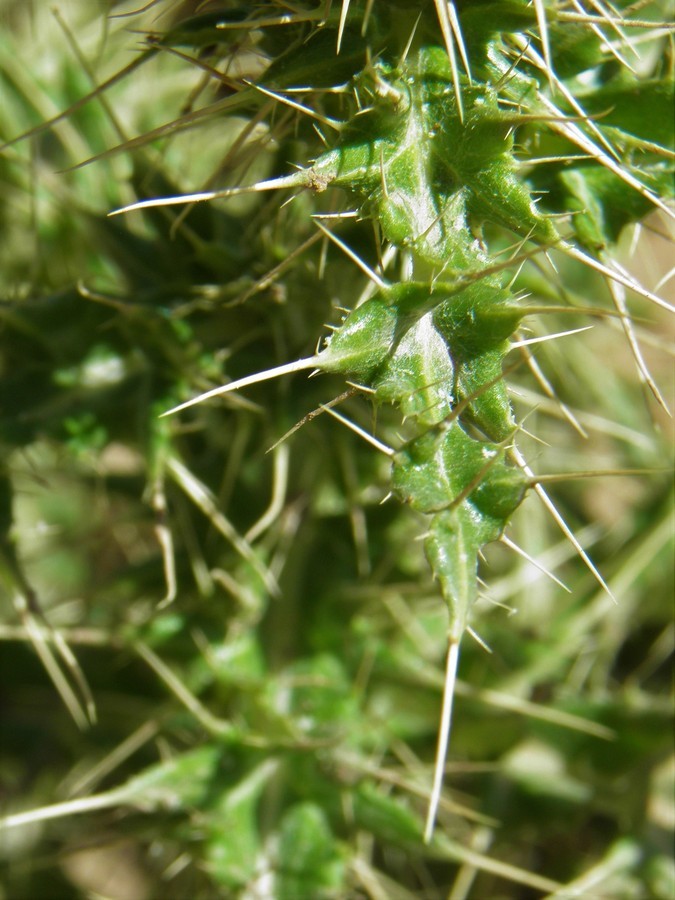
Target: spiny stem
{"x":550,"y":392}
{"x":341,"y":25}
{"x":59,"y":810}
{"x":593,"y":473}
{"x":279,"y":488}
{"x":324,"y":407}
{"x":614,"y":274}
{"x":280,"y":98}
{"x":374,"y":277}
{"x":74,"y":107}
{"x":286,"y":369}
{"x":586,"y":18}
{"x":548,"y":337}
{"x":362,"y":433}
{"x":452,"y":661}
{"x":212,"y":724}
{"x":564,"y":527}
{"x":533,"y":561}
{"x":619,"y":296}
{"x":540,"y":12}
{"x":574,"y":134}
{"x":52,"y":667}
{"x":297,"y":179}
{"x":204,"y":500}
{"x":448,"y":38}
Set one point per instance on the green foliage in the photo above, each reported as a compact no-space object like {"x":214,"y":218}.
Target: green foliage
{"x":246,"y":645}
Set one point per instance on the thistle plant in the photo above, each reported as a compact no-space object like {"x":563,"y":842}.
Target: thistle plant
{"x":447,"y":183}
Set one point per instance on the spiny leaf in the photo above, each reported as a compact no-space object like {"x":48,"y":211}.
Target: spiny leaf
{"x":426,"y":174}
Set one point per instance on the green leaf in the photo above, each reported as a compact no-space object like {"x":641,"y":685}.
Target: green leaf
{"x":385,"y":816}
{"x":454,"y":539}
{"x":205,"y":29}
{"x":472,"y":491}
{"x":435,"y":469}
{"x":311,"y":864}
{"x":363,"y":341}
{"x":426,"y":348}
{"x":233,"y":840}
{"x":604,"y":204}
{"x":426,"y":173}
{"x":314,"y":61}
{"x":320,"y":698}
{"x":179,"y":784}
{"x":418,"y":374}
{"x":642,"y":108}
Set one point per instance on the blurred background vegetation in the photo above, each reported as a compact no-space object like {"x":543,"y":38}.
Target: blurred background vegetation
{"x":228,"y":662}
